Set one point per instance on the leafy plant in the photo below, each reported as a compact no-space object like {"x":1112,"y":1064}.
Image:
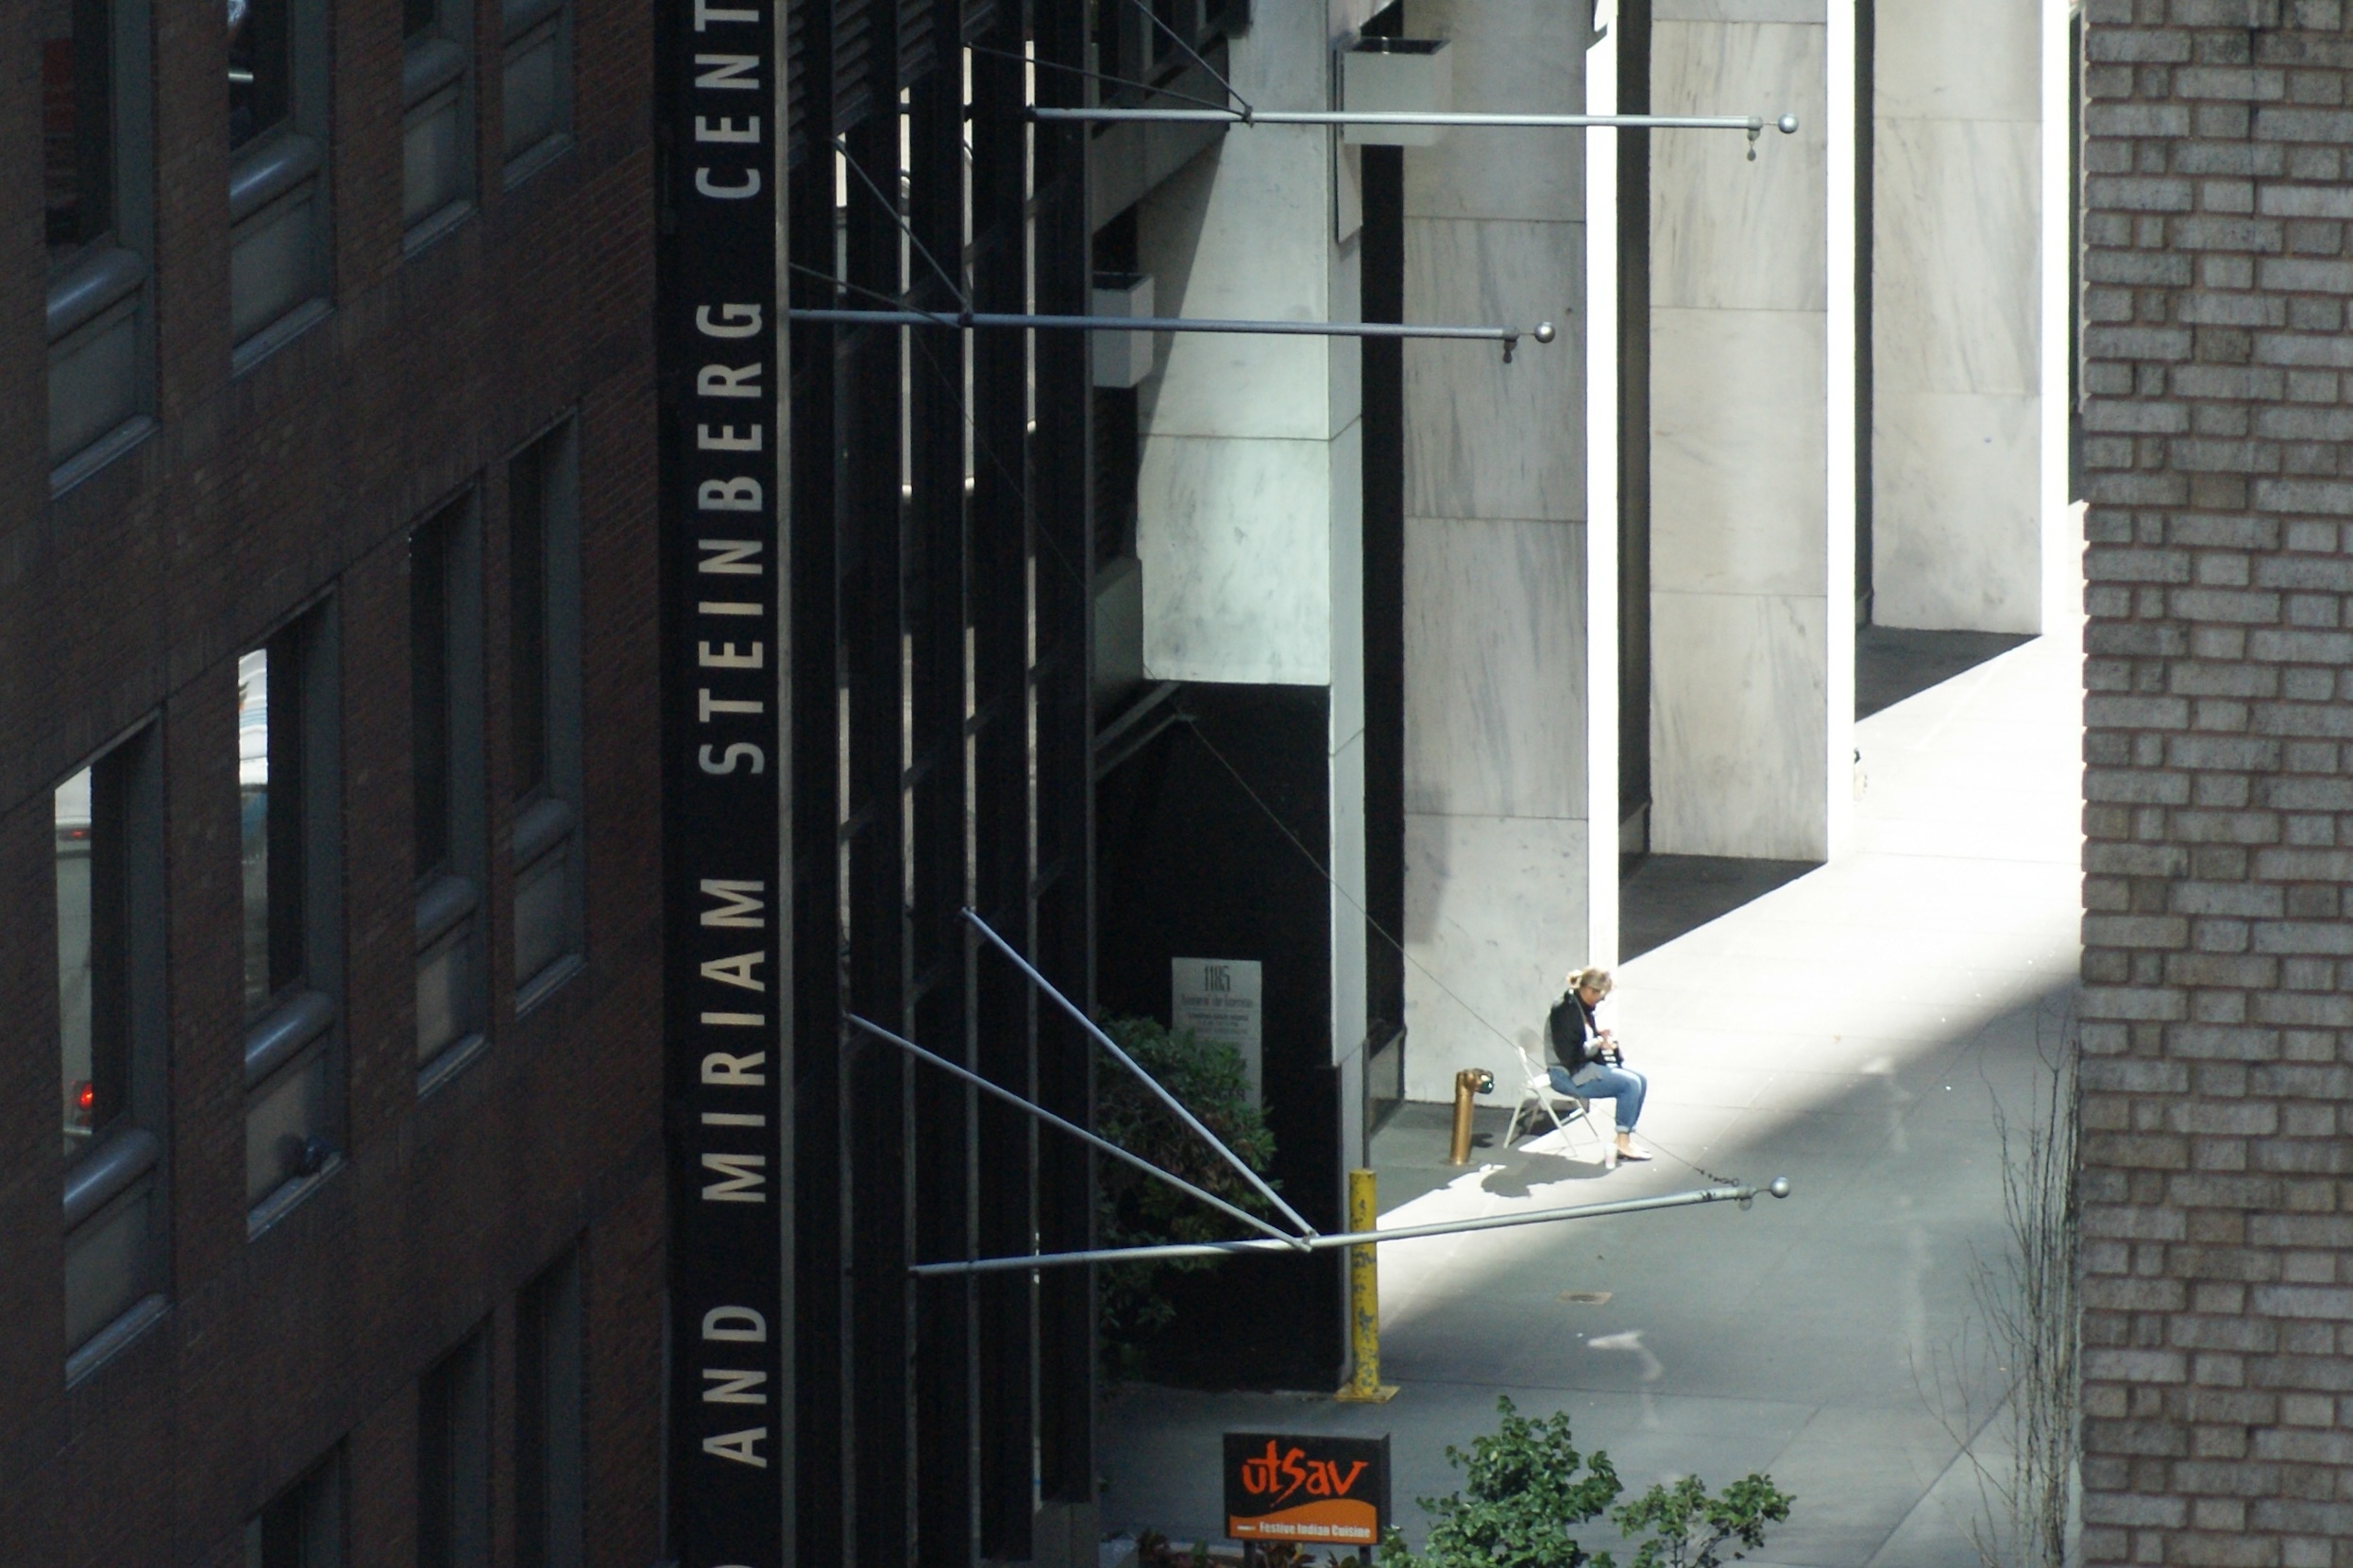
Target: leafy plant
{"x":1209,"y":1078}
{"x":1526,"y":1487}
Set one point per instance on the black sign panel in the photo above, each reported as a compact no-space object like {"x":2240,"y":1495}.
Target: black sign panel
{"x":724,"y":994}
{"x":1332,"y":1490}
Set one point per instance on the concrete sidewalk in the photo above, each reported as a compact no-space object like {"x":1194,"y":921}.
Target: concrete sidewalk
{"x":1853,"y":1030}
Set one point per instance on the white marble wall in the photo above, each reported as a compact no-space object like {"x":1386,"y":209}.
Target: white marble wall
{"x":1957,"y":518}
{"x":1250,"y":492}
{"x":1746,"y":548}
{"x":1496,"y":710}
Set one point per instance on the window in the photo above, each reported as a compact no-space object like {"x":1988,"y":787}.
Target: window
{"x":96,"y":159}
{"x":302,"y":1528}
{"x":454,"y":1459}
{"x":445,"y":689}
{"x":278,"y":154}
{"x":542,"y":660}
{"x":111,"y":1032}
{"x":289,"y":851}
{"x":535,"y":92}
{"x":437,"y":140}
{"x":550,"y":1471}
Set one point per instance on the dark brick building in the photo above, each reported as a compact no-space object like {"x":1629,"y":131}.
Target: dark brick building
{"x":2218,"y":447}
{"x":325,"y":375}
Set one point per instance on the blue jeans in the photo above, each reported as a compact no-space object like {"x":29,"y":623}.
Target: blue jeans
{"x":1595,"y":1080}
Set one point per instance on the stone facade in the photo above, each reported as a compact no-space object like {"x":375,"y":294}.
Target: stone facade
{"x":2218,"y":447}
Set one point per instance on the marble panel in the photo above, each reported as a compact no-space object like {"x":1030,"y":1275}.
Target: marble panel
{"x":1347,"y":585}
{"x":1495,"y":655}
{"x":1494,"y":917}
{"x":1510,"y":57}
{"x":1978,"y":62}
{"x":1738,"y":452}
{"x":1346,"y":860}
{"x":1956,"y":266}
{"x":1726,"y":232}
{"x":1957,"y":526}
{"x":1235,"y":539}
{"x":1739,"y":725}
{"x":1740,"y":10}
{"x":1483,"y":438}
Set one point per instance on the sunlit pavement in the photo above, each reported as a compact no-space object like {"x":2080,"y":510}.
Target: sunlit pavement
{"x":1851,"y":1030}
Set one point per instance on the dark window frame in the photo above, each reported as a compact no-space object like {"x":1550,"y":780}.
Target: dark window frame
{"x":527,"y":27}
{"x":550,"y":1414}
{"x":100,"y":317}
{"x":304,"y":1525}
{"x":547,"y":842}
{"x":453,"y":1524}
{"x":282,"y":258}
{"x":116,"y":1201}
{"x":294,"y":1040}
{"x":446,"y":719}
{"x":440,"y":173}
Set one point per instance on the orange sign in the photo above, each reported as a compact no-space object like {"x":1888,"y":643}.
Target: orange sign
{"x":1320,"y":1489}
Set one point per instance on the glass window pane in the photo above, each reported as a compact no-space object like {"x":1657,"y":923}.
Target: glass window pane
{"x":73,"y":988}
{"x":260,"y":68}
{"x":527,"y":576}
{"x":429,"y":690}
{"x":253,"y":815}
{"x":76,"y":123}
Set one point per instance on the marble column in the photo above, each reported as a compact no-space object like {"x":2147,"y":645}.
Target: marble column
{"x":1956,"y":520}
{"x":1751,"y":432}
{"x":1496,"y":835}
{"x":1251,"y":487}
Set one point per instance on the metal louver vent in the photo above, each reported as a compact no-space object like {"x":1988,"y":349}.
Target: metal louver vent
{"x":853,"y":62}
{"x":979,"y":17}
{"x":796,"y":82}
{"x":918,"y":47}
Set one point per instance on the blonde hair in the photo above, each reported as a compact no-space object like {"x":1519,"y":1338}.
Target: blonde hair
{"x":1597,"y":978}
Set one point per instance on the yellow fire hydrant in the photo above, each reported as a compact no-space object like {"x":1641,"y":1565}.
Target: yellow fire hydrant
{"x":1469,"y":1082}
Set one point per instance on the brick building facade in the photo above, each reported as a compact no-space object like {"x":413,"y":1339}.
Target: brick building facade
{"x":2218,"y":450}
{"x":441,"y":1308}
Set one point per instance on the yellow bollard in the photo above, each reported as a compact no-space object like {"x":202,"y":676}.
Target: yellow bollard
{"x":1365,"y":1386}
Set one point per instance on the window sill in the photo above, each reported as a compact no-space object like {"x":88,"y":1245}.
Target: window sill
{"x":87,"y":462}
{"x":547,"y":983}
{"x":279,"y":333}
{"x":114,"y":1338}
{"x":106,"y":1172}
{"x":452,"y":1061}
{"x":533,"y":159}
{"x":429,"y":231}
{"x":285,"y":1198}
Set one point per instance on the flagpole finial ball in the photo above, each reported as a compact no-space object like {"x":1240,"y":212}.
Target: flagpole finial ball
{"x":1779,"y":1186}
{"x":1789,"y":125}
{"x":1544,"y":331}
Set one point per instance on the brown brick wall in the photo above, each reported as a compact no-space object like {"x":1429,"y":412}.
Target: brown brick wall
{"x":2218,"y":959}
{"x":129,"y":599}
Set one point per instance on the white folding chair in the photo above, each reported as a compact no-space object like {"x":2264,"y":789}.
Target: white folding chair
{"x":1538,"y":1094}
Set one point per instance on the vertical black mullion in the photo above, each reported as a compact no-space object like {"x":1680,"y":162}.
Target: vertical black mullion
{"x":1003,"y":1009}
{"x":870,"y":522}
{"x":820,"y":1485}
{"x":1382,"y":263}
{"x":1633,"y":422}
{"x":1063,"y":570}
{"x":935,"y":594}
{"x":1865,"y":162}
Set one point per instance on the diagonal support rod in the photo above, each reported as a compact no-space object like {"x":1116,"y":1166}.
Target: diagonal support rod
{"x":1509,"y":337}
{"x":1777,"y":1188}
{"x":1073,"y":1128}
{"x":1145,"y":1078}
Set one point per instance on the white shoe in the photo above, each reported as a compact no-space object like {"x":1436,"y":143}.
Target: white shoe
{"x":1632,"y":1152}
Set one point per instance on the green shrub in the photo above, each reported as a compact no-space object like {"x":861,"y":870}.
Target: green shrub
{"x":1525,"y":1487}
{"x":1133,"y":1210}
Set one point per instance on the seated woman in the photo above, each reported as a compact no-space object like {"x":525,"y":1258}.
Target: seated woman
{"x":1586,"y":1061}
